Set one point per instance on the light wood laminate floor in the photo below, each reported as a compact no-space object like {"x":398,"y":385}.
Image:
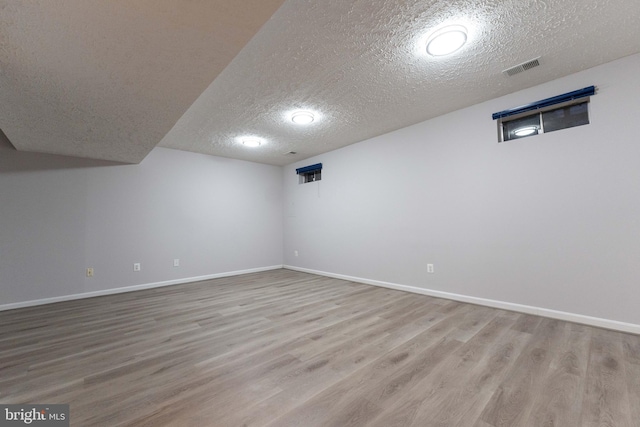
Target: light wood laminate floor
{"x":283,"y":348}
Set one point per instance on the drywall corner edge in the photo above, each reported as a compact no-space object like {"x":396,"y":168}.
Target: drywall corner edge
{"x":34,"y":303}
{"x":536,"y":311}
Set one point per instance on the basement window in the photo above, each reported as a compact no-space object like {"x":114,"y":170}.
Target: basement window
{"x":560,"y":112}
{"x":310,"y":173}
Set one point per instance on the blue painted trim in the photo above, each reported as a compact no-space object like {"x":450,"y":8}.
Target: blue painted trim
{"x":581,"y":93}
{"x":311,"y":168}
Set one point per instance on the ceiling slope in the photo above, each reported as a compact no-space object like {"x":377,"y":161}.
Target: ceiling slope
{"x":108,"y":79}
{"x":362,"y":65}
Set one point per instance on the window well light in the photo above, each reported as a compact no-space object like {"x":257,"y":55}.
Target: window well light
{"x":302,"y":117}
{"x":526,"y":131}
{"x":446,"y":40}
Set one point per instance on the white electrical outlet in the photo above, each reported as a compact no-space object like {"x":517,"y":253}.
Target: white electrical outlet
{"x":295,"y":253}
{"x":136,"y":266}
{"x":176,"y":262}
{"x":90,"y":272}
{"x":429,"y":268}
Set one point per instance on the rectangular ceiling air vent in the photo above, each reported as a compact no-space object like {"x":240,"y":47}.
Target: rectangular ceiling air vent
{"x":522,"y":67}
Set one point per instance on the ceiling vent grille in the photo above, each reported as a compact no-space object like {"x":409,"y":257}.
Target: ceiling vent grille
{"x":522,"y":67}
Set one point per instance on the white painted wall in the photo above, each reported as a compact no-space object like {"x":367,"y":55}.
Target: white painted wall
{"x":60,"y":215}
{"x":551,"y":221}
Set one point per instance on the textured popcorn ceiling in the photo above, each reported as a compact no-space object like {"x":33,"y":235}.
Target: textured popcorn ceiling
{"x":106,"y":80}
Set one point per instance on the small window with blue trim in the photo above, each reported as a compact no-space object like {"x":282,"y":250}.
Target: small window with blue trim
{"x":548,"y":115}
{"x":310,"y":173}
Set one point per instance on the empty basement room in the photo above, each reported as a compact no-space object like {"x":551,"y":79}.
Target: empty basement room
{"x":320,"y":213}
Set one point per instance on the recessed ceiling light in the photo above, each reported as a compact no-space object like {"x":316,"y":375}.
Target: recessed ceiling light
{"x":526,"y":131}
{"x":251,"y":141}
{"x":302,"y":117}
{"x":446,"y":40}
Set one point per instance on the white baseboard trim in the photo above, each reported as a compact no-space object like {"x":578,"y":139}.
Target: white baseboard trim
{"x":83,"y":295}
{"x":537,"y":311}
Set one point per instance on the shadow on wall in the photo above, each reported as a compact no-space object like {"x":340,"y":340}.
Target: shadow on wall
{"x":12,"y":160}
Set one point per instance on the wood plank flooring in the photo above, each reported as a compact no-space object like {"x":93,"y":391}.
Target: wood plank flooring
{"x":283,"y":348}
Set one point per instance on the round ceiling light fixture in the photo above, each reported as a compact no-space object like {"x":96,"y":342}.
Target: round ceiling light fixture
{"x":251,"y":141}
{"x":526,"y":131}
{"x":446,"y":40}
{"x":302,"y":117}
